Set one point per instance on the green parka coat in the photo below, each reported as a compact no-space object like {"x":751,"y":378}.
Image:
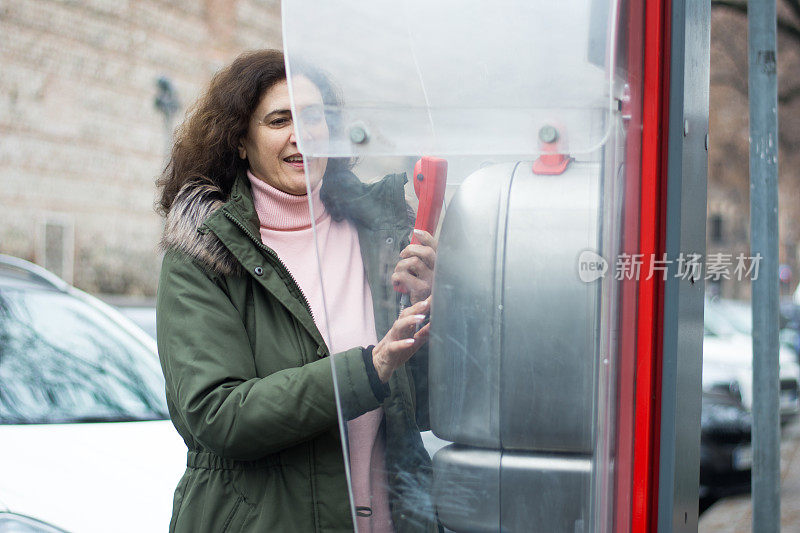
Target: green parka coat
{"x":248,"y":376}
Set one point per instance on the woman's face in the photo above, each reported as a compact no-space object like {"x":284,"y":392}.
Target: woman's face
{"x":270,"y":146}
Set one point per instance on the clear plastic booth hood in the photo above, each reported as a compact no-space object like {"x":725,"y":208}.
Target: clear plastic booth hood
{"x":521,"y":108}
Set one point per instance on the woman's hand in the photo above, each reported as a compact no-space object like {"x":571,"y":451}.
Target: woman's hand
{"x":414,"y":271}
{"x":402,"y":340}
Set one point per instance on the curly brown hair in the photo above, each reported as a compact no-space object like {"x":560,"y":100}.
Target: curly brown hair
{"x":206,"y":144}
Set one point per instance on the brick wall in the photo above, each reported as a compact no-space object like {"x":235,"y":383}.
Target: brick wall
{"x":81,"y":142}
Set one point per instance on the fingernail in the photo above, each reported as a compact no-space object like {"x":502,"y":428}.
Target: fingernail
{"x":419,"y":318}
{"x":408,"y":341}
{"x":419,"y":231}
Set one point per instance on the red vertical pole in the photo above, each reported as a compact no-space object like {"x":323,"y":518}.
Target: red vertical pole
{"x":633,"y":22}
{"x":651,"y":244}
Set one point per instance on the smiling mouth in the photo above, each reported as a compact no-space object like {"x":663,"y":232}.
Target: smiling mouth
{"x":294,"y":160}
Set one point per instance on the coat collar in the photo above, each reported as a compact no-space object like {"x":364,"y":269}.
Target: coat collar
{"x":201,"y":212}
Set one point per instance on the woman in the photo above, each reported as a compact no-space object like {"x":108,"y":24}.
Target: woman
{"x":242,"y":329}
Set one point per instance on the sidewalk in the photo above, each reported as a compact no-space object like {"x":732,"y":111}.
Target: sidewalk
{"x":735,"y":515}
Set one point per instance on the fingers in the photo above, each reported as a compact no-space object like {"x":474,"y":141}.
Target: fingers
{"x":411,"y":268}
{"x":413,"y":274}
{"x":399,"y":351}
{"x":422,"y":335}
{"x":425,"y":238}
{"x":411,"y":283}
{"x":403,"y":340}
{"x":425,"y":254}
{"x":414,"y":264}
{"x":405,"y":327}
{"x":406,"y":347}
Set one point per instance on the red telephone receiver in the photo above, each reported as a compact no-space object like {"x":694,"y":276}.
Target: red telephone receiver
{"x":430,"y":179}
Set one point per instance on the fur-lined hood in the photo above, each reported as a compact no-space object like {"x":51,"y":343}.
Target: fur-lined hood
{"x":185,"y":229}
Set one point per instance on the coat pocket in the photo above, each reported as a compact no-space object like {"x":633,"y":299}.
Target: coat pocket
{"x":235,"y":519}
{"x":210,"y":504}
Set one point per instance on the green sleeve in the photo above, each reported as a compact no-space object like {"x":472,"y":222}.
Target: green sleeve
{"x":211,"y":377}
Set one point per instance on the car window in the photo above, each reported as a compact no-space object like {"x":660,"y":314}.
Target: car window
{"x":740,"y":317}
{"x":715,"y":323}
{"x":62,"y":360}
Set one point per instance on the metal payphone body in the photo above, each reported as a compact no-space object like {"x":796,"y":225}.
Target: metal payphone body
{"x":521,"y":234}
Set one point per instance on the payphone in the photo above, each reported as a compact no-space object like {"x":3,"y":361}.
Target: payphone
{"x":529,"y":375}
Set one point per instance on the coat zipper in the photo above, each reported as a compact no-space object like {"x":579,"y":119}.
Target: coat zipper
{"x":273,"y":255}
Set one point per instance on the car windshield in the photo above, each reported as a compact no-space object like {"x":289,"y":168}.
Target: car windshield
{"x":716,"y":323}
{"x":62,"y":360}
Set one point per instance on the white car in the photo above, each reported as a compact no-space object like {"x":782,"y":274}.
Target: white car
{"x":728,"y":360}
{"x":85,"y":440}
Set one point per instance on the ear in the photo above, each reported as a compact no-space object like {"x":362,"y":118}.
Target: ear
{"x":242,"y":150}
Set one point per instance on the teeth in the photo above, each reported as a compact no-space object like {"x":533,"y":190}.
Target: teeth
{"x":294,"y":159}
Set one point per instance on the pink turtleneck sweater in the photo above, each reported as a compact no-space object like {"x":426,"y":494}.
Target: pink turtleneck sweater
{"x":286,"y":228}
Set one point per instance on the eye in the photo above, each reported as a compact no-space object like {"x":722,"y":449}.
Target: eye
{"x":279,"y":122}
{"x":312,"y":115}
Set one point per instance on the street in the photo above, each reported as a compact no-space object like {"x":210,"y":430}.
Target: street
{"x":734,"y":514}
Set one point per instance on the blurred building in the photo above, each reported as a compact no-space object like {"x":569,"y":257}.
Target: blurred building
{"x":90,"y":91}
{"x":728,"y":225}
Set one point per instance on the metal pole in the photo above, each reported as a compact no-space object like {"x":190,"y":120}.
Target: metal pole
{"x":764,"y":243}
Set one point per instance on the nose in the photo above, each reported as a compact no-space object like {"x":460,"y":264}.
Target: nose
{"x":293,"y":137}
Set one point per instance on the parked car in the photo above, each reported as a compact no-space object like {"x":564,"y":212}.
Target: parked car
{"x":728,"y":360}
{"x":142,"y":316}
{"x":790,"y":325}
{"x":740,"y":315}
{"x":726,"y":455}
{"x":85,"y":440}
